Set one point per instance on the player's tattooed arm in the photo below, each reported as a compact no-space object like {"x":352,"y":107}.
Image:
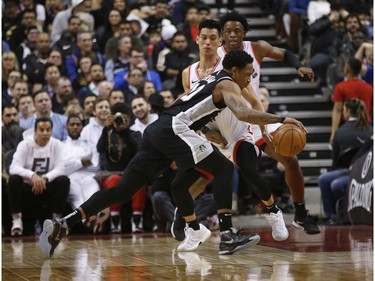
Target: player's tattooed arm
{"x":237,"y":105}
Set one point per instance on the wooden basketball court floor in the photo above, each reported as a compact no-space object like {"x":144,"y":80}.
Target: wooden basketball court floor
{"x":338,"y":253}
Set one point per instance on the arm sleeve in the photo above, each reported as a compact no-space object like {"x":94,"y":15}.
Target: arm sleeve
{"x":19,"y":161}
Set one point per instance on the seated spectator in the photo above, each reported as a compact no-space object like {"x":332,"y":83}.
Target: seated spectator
{"x":121,"y":62}
{"x":83,"y":78}
{"x":125,"y":30}
{"x":11,"y":131}
{"x":175,"y":62}
{"x":28,"y":18}
{"x":27,"y":46}
{"x":109,"y":29}
{"x":96,"y":76}
{"x":115,"y":96}
{"x":93,"y":130}
{"x":135,"y":81}
{"x":84,"y":49}
{"x":88,"y":106}
{"x":142,"y":111}
{"x":7,"y":92}
{"x":147,"y":89}
{"x":51,"y":76}
{"x":67,"y":42}
{"x":117,"y":146}
{"x":347,"y":140}
{"x":168,"y":97}
{"x":43,"y":109}
{"x":60,"y":22}
{"x":39,"y":8}
{"x":74,"y":109}
{"x":78,"y":165}
{"x":20,"y":89}
{"x":351,"y":88}
{"x":9,"y":62}
{"x":34,"y":63}
{"x":62,"y":90}
{"x":138,"y":61}
{"x":26,"y":107}
{"x":56,"y":58}
{"x":37,"y":172}
{"x":104,"y":88}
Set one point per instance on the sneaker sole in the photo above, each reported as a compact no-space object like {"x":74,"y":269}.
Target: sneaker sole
{"x":252,"y":242}
{"x":44,"y":244}
{"x":206,"y":236}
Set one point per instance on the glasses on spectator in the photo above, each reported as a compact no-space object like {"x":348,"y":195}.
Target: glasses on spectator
{"x":8,"y":58}
{"x":135,"y":75}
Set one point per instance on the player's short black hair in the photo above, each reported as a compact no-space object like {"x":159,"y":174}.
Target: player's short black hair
{"x":237,"y":59}
{"x":234,"y":16}
{"x":42,"y":119}
{"x":210,"y":24}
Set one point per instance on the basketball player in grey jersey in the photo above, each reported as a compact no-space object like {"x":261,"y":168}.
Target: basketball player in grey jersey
{"x":173,"y":138}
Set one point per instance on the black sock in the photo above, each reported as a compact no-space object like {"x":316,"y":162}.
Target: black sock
{"x":225,"y":221}
{"x":300,"y":210}
{"x":194,"y":224}
{"x":272,"y":209}
{"x":73,"y":218}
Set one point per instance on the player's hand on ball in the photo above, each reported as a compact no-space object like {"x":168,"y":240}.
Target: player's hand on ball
{"x":295,"y":121}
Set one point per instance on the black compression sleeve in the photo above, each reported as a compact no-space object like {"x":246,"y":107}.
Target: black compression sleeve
{"x":292,"y":60}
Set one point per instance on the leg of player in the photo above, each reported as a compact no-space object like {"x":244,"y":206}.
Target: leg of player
{"x":179,"y":223}
{"x":294,"y":180}
{"x":246,"y":159}
{"x":222,"y":169}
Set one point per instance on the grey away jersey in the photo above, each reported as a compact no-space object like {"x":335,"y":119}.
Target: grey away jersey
{"x":197,"y":108}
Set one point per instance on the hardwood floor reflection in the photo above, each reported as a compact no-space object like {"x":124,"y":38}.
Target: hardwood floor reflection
{"x":338,"y":253}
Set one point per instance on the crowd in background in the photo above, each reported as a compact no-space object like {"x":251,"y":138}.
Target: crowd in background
{"x":102,"y":71}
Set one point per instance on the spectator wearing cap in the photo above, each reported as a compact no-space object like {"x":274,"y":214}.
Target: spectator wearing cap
{"x":60,"y":22}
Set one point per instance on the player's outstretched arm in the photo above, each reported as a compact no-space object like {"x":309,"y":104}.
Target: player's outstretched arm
{"x":231,"y":94}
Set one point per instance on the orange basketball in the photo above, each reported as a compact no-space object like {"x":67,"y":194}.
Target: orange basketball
{"x":289,"y":139}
